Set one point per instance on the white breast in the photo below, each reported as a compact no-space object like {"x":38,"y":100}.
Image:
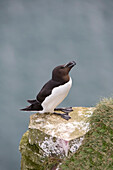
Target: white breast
{"x":56,"y":97}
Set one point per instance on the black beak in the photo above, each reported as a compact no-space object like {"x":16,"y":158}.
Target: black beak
{"x":70,"y":64}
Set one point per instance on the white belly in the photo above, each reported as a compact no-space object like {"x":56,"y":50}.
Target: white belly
{"x":57,"y":96}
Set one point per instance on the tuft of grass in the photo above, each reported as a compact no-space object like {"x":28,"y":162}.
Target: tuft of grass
{"x":96,"y":151}
{"x":106,"y":101}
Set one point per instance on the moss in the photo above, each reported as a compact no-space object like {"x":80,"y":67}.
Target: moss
{"x":24,"y":141}
{"x":96,"y":151}
{"x":51,"y":162}
{"x":30,"y":154}
{"x":35,"y":135}
{"x":31,"y":158}
{"x":27,"y":164}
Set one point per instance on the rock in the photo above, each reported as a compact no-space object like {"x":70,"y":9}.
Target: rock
{"x":50,"y":138}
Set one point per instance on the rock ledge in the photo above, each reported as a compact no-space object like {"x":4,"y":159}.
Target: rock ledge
{"x":52,"y":138}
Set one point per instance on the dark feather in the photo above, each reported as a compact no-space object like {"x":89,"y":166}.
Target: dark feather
{"x":31,"y":101}
{"x":47,"y":89}
{"x":33,"y":107}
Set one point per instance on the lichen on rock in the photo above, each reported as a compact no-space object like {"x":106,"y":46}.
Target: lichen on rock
{"x":56,"y":126}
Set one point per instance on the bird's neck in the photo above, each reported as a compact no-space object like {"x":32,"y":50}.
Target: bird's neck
{"x":62,"y":80}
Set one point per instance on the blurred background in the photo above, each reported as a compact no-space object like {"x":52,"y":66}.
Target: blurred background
{"x":36,"y":36}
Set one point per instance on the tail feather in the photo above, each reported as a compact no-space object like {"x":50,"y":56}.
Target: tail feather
{"x":33,"y":107}
{"x":31,"y":101}
{"x":29,"y":108}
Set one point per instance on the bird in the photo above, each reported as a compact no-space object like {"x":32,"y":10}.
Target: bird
{"x":54,"y":92}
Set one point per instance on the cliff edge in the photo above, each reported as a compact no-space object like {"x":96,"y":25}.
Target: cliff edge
{"x":51,"y":139}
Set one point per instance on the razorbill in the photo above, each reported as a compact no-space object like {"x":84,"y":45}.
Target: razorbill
{"x":54,"y":92}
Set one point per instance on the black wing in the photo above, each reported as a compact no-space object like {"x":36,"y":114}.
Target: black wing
{"x":47,"y":90}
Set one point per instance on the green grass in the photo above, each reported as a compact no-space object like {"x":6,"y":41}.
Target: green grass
{"x":96,"y":153}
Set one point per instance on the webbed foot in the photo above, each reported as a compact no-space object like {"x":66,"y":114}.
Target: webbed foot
{"x":64,"y":109}
{"x":64,"y":116}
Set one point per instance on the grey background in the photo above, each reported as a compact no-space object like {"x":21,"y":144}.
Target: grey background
{"x":36,"y":36}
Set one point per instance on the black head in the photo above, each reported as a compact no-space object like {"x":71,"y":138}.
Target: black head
{"x":62,"y":72}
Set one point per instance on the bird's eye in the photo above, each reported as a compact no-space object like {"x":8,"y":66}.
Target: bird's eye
{"x":62,"y":67}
